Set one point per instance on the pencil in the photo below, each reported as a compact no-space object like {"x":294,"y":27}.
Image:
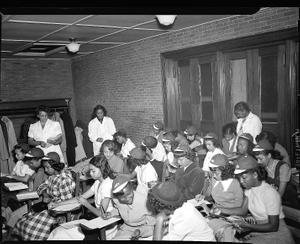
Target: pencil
{"x":102,"y":209}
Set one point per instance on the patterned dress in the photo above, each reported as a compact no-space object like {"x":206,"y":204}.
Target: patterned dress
{"x":36,"y":226}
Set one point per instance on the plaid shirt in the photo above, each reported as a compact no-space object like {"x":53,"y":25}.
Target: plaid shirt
{"x":36,"y":226}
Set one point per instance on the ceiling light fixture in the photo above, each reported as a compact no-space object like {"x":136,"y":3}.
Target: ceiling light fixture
{"x":73,"y":46}
{"x":166,"y":19}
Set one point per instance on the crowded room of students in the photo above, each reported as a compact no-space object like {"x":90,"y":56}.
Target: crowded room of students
{"x":202,"y":146}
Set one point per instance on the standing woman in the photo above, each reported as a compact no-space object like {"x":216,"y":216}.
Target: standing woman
{"x":263,"y":202}
{"x":46,"y":134}
{"x":101,"y":128}
{"x":59,"y":187}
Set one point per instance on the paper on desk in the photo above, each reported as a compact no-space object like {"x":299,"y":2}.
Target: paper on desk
{"x":27,"y":195}
{"x":99,"y":223}
{"x":196,"y":203}
{"x":14,"y":186}
{"x":74,"y":223}
{"x":66,"y":207}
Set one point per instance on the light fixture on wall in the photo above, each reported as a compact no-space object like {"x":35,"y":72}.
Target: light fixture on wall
{"x":166,"y":19}
{"x":73,"y":46}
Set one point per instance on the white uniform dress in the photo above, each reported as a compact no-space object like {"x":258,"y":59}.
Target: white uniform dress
{"x":51,"y":130}
{"x":106,"y":130}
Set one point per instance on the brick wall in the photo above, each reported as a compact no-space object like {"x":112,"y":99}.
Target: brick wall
{"x":34,"y":80}
{"x":127,"y":79}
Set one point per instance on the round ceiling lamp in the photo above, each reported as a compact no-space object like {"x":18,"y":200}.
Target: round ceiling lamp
{"x":166,"y":19}
{"x":73,"y":46}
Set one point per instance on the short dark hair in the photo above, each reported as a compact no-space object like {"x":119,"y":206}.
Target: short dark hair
{"x":42,"y":108}
{"x":121,"y":134}
{"x":242,"y":106}
{"x":260,"y":170}
{"x":96,"y":109}
{"x":275,"y":154}
{"x":58,"y":166}
{"x":110,"y":144}
{"x":227,"y":171}
{"x":268,"y":136}
{"x":229,"y":128}
{"x":215,"y":142}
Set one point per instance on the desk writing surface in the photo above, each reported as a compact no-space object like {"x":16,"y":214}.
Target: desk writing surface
{"x":66,"y":207}
{"x":96,"y":223}
{"x":99,"y":223}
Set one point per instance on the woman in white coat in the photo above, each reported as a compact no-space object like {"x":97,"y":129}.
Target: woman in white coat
{"x":101,"y":128}
{"x":46,"y":134}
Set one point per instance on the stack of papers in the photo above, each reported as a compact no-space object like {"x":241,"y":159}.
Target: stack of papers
{"x":27,"y":195}
{"x":14,"y":186}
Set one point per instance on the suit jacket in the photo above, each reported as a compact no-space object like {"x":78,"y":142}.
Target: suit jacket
{"x":190,"y":181}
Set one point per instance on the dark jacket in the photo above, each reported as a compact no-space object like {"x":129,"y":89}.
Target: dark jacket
{"x":190,"y":181}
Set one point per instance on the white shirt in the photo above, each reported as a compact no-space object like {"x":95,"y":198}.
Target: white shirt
{"x":22,"y":169}
{"x":106,"y":130}
{"x":264,"y":200}
{"x":251,"y":125}
{"x":101,"y":191}
{"x":51,"y":129}
{"x":188,"y":224}
{"x":127,"y":147}
{"x":209,"y":156}
{"x":144,"y":174}
{"x":159,"y":152}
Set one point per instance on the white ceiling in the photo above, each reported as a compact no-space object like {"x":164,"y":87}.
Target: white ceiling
{"x":93,"y":32}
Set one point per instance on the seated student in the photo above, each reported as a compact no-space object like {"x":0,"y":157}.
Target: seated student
{"x":245,"y":146}
{"x":101,"y":190}
{"x":189,"y":177}
{"x":157,"y":131}
{"x":108,"y":148}
{"x":134,"y":209}
{"x":154,"y":149}
{"x":279,"y":172}
{"x":263,"y":202}
{"x":179,"y":136}
{"x":59,"y":187}
{"x":224,"y":189}
{"x":229,"y":140}
{"x":213,"y":146}
{"x":195,"y":141}
{"x":15,"y":211}
{"x":20,"y":173}
{"x":144,"y":171}
{"x":126,"y":144}
{"x":170,"y":144}
{"x":272,"y":139}
{"x":185,"y":222}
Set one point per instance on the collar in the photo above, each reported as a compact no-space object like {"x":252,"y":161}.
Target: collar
{"x":225,"y":183}
{"x":188,"y":167}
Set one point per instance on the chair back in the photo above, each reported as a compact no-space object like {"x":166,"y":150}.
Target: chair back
{"x":160,"y":168}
